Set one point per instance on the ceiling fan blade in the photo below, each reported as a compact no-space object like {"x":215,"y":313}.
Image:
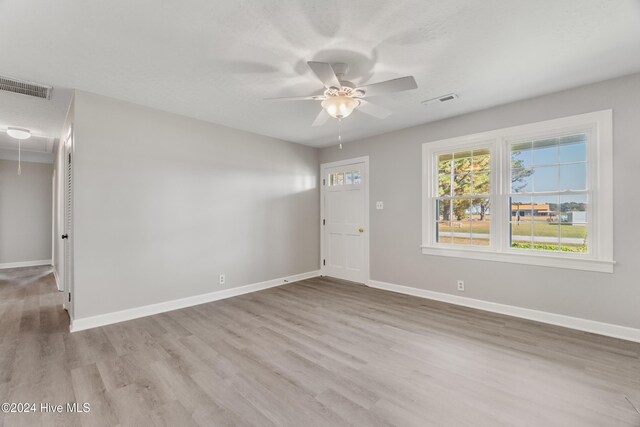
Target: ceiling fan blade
{"x":321,"y":119}
{"x":373,"y":109}
{"x":296,"y":98}
{"x":325,"y":73}
{"x":389,"y":86}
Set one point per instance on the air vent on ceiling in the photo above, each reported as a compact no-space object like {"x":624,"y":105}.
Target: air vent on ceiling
{"x":440,"y":99}
{"x":25,"y":88}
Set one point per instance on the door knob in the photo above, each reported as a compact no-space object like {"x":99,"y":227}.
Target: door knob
{"x":361,"y":230}
{"x":65,"y":236}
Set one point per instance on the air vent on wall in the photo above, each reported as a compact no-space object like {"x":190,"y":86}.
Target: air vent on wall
{"x":440,"y":99}
{"x":25,"y":88}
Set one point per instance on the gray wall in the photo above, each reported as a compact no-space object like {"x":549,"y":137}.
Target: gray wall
{"x":25,"y":212}
{"x":163,"y":204}
{"x":396,"y":230}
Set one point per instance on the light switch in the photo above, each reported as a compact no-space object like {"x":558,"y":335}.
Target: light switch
{"x":379,"y":205}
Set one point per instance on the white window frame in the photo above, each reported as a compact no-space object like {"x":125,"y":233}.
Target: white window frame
{"x":598,"y":125}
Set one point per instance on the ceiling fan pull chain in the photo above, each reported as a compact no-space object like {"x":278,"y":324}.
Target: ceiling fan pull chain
{"x":339,"y":134}
{"x":19,"y":157}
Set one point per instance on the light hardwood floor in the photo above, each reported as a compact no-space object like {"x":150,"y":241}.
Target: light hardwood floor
{"x":317,"y":352}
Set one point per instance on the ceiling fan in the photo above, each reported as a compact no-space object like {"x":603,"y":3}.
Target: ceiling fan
{"x":341,"y":97}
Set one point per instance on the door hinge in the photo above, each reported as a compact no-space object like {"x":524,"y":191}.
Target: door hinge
{"x":324,"y":262}
{"x":69,"y":296}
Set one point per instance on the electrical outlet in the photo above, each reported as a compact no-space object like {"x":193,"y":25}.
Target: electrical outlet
{"x":379,"y":205}
{"x":461,"y":285}
{"x":222,"y":279}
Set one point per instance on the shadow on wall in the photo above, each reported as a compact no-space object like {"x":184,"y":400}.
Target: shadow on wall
{"x":288,"y":227}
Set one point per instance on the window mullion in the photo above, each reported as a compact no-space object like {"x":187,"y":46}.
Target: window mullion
{"x":498,"y":217}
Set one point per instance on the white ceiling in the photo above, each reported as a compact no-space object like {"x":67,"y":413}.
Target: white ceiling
{"x":217,"y":60}
{"x":44,"y":118}
{"x":34,"y":149}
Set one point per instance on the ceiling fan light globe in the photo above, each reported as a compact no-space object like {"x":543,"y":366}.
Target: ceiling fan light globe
{"x":340,"y":106}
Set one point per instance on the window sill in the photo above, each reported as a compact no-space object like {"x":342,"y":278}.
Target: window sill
{"x":586,"y":264}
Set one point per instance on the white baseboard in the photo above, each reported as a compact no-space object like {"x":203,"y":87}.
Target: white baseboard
{"x":148,"y":310}
{"x":615,"y":331}
{"x":25,"y":264}
{"x":57,"y":278}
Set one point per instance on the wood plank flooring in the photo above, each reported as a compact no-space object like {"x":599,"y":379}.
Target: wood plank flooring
{"x":313,"y":353}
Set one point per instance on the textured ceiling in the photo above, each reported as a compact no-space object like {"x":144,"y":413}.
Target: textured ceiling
{"x":44,"y":118}
{"x":35,"y":149}
{"x":217,"y":60}
{"x":33,"y":144}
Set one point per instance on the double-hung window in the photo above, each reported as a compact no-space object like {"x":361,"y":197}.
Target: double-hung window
{"x":463,"y":202}
{"x":534,"y":194}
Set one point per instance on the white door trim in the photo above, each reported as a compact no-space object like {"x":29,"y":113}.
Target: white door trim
{"x":68,"y":198}
{"x":323,"y":178}
{"x":53,"y":225}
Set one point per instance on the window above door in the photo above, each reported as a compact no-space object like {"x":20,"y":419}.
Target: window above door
{"x":352,"y":177}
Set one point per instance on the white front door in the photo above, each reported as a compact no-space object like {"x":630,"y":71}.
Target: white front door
{"x":345,"y":220}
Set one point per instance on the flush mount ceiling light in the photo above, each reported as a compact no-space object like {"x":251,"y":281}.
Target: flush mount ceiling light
{"x":19,"y":133}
